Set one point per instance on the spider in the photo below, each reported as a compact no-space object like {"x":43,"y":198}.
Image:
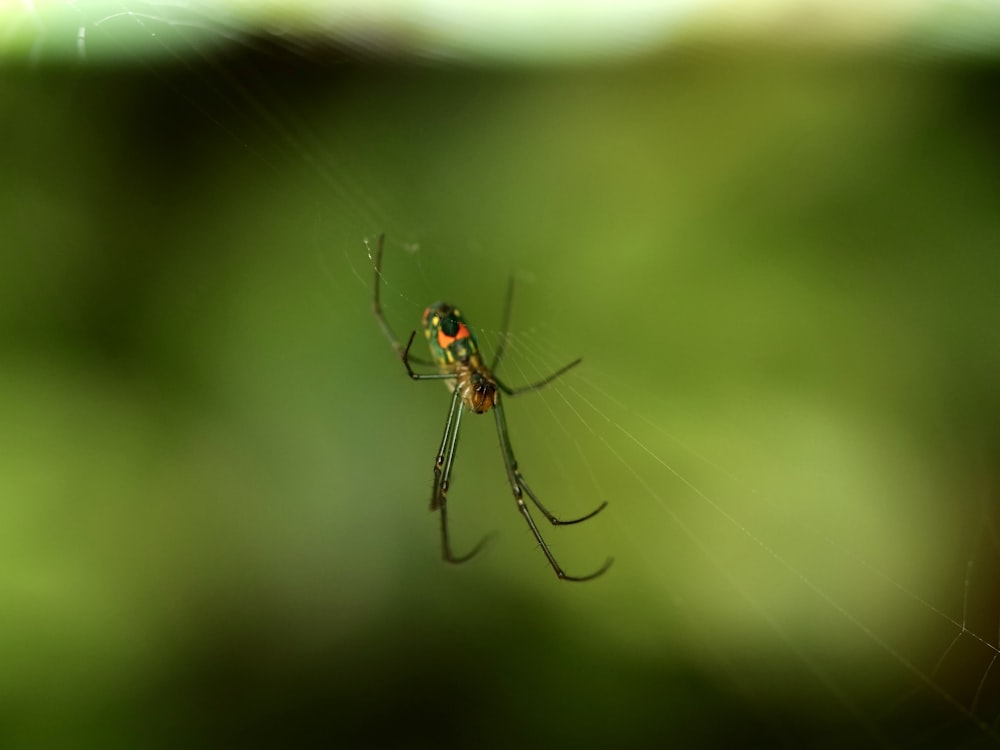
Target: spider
{"x":473,"y":385}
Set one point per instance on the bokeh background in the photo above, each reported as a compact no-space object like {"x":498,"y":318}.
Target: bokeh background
{"x":773,"y":239}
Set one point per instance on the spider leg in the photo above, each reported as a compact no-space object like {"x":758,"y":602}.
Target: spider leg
{"x":417,"y":375}
{"x":540,"y":384}
{"x":506,"y":325}
{"x":377,"y":304}
{"x":446,"y":451}
{"x":518,"y":488}
{"x":442,"y":477}
{"x":545,"y":512}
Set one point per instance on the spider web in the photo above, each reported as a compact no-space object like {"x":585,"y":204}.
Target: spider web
{"x":802,"y":545}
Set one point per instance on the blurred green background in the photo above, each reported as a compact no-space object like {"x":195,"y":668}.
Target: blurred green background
{"x":779,"y":265}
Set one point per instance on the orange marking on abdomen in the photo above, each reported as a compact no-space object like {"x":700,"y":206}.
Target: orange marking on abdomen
{"x":444,"y":340}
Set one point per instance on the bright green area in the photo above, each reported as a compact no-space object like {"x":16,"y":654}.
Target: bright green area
{"x":214,"y":475}
{"x":514,"y":33}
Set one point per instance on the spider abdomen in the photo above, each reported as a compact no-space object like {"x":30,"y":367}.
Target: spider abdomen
{"x":448,"y":335}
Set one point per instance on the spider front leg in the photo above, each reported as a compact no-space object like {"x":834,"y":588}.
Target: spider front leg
{"x":442,"y":477}
{"x":520,"y":488}
{"x":445,"y":458}
{"x":449,"y":441}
